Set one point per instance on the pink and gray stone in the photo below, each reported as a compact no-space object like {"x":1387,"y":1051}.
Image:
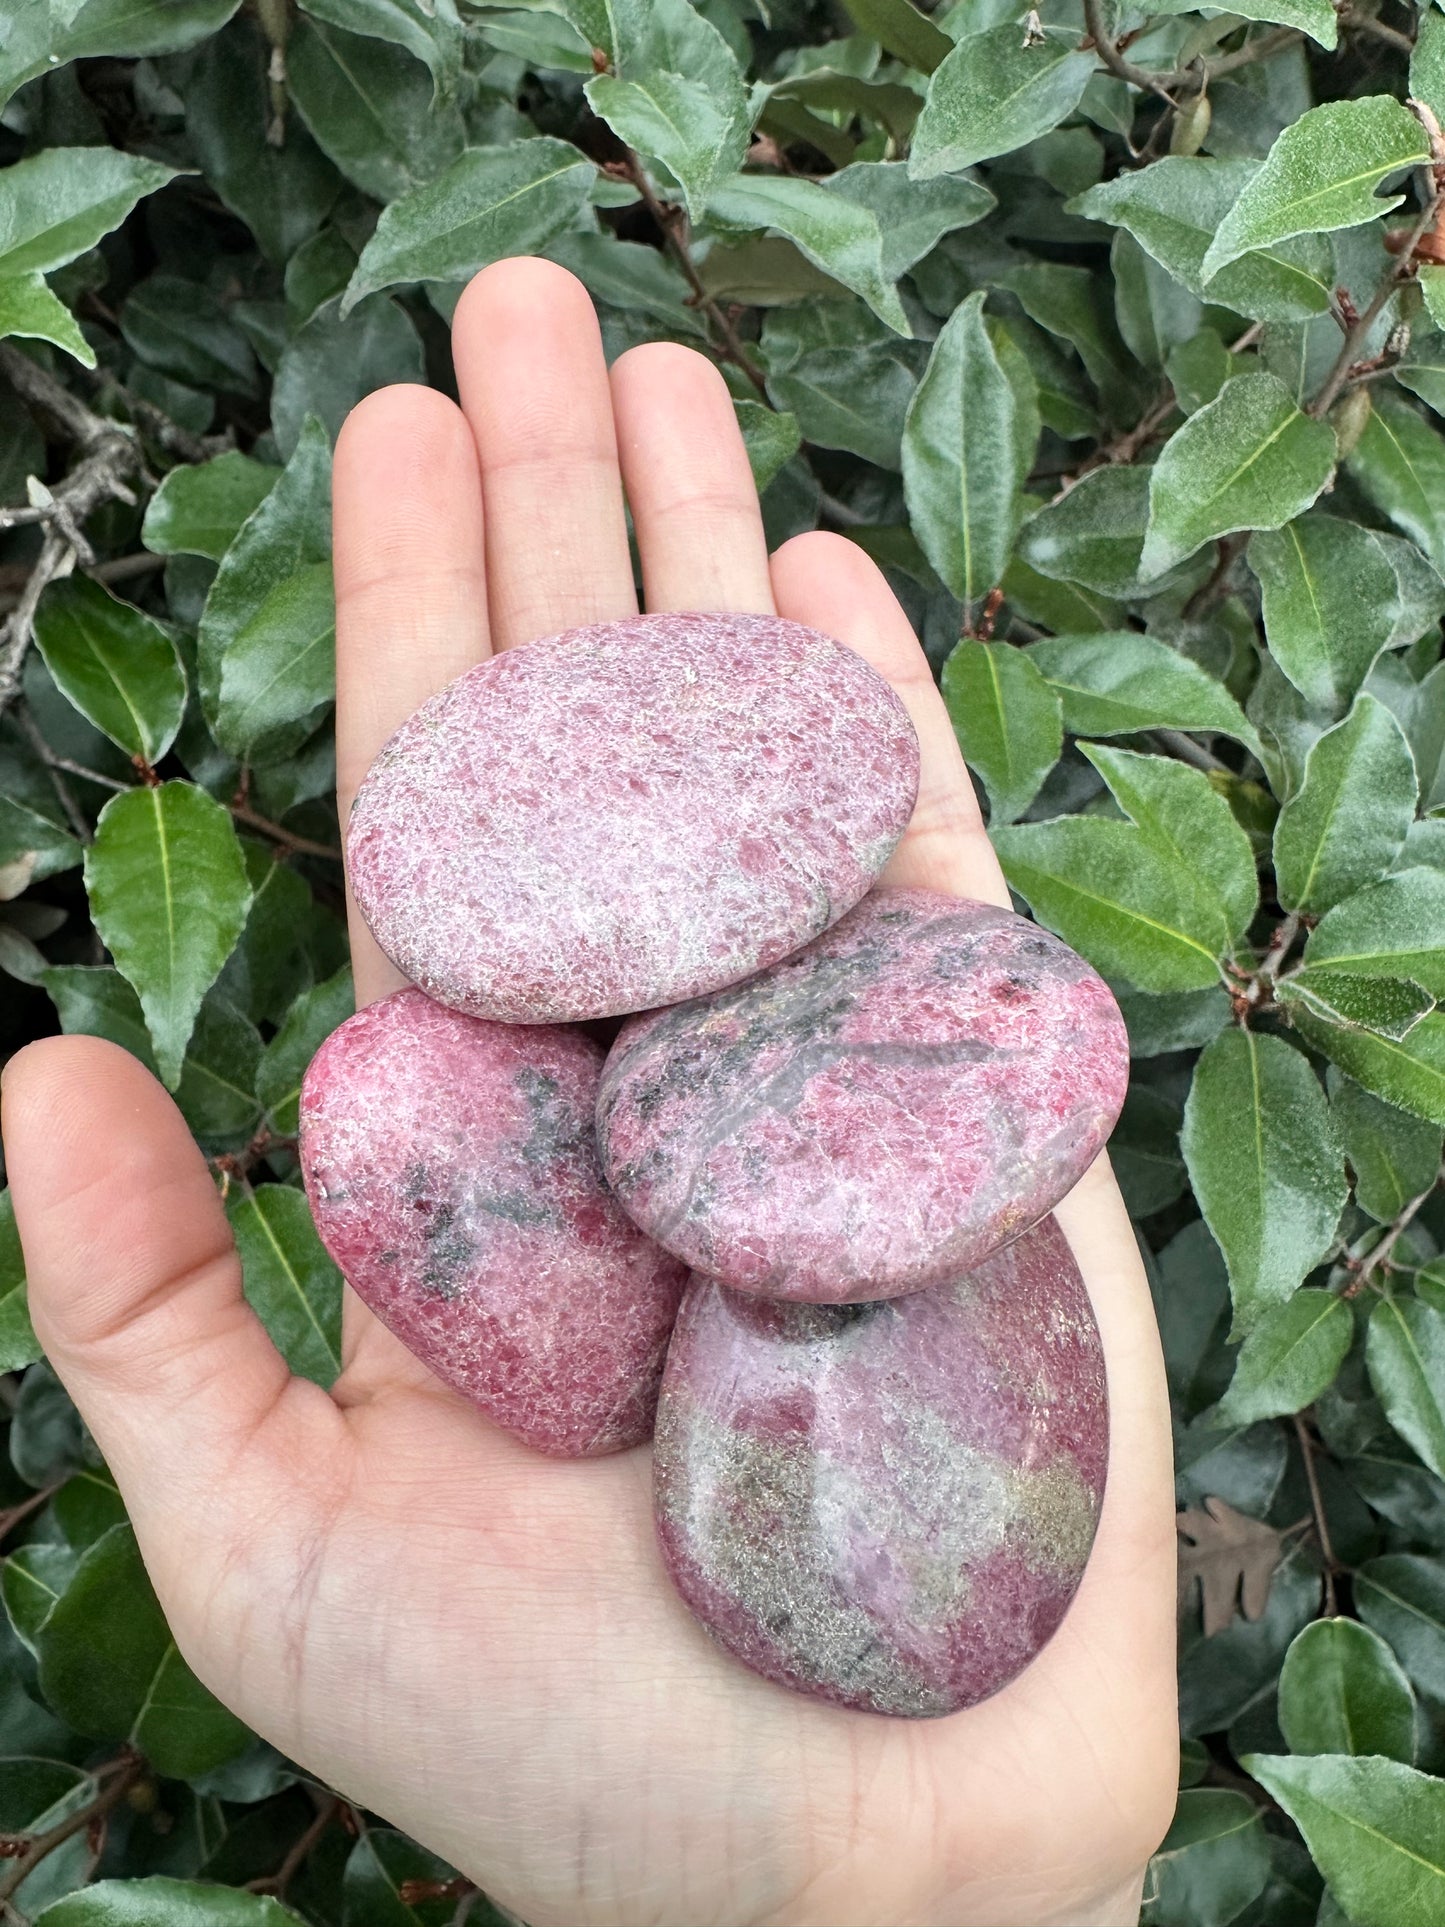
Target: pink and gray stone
{"x":452,"y":1172}
{"x":888,"y":1505}
{"x":629,"y":814}
{"x":873,"y":1115}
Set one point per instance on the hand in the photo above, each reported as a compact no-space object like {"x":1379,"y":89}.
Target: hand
{"x":477,"y":1642}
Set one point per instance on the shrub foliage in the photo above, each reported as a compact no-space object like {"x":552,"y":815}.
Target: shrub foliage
{"x":1117,"y":336}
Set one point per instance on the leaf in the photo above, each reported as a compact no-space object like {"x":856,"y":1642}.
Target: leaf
{"x":1266,"y":1164}
{"x":627,"y":275}
{"x":854,"y":398}
{"x":429,"y":31}
{"x":19,"y":1346}
{"x":178,"y":327}
{"x":1395,"y":928}
{"x":1322,"y":174}
{"x":271,"y":577}
{"x":901,"y":30}
{"x":1094,"y":534}
{"x":1290,"y":1357}
{"x":33,"y":1579}
{"x":1330,"y":604}
{"x":1007,"y":721}
{"x":291,"y":1283}
{"x":309,"y":1022}
{"x":60,"y":202}
{"x":378,"y":1866}
{"x":1116,"y":682}
{"x":1070,"y":304}
{"x":369,"y":107}
{"x":1224,"y":1676}
{"x":199,"y":508}
{"x":1174,"y":208}
{"x":994,"y":93}
{"x":1399,"y":463}
{"x":1394,"y":1156}
{"x":1408,"y":1071}
{"x":156,"y":1901}
{"x":169,"y":895}
{"x":329,"y":364}
{"x":1402,"y":1596}
{"x":41,"y":37}
{"x":1405,"y":1353}
{"x":1211,"y":1864}
{"x":1249,"y":459}
{"x":771,"y":436}
{"x":1232,"y":1557}
{"x":117,"y":666}
{"x":1346,"y":825}
{"x":1391,"y":1006}
{"x":1341,"y":1690}
{"x":28,"y":308}
{"x":491,"y":202}
{"x":958,"y":468}
{"x":1155,"y":313}
{"x":837,"y":235}
{"x":1375,"y":1829}
{"x":109,"y":1667}
{"x":913,"y":216}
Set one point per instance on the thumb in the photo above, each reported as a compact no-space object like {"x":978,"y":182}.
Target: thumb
{"x":135,"y":1292}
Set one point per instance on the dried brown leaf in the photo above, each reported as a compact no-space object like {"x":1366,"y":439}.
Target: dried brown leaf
{"x":1232,"y":1556}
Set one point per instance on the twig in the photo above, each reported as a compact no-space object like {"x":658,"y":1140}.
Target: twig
{"x":288,"y":839}
{"x":1366,"y":23}
{"x":1378,"y":1256}
{"x":297,"y":1853}
{"x":1109,"y":53}
{"x":1357,"y":333}
{"x":1317,"y":1506}
{"x":164,"y":432}
{"x":12,"y":1515}
{"x":1187,"y":750}
{"x":27,"y":1857}
{"x":1231,"y":547}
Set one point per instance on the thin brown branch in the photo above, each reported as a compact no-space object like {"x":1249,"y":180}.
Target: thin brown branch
{"x":288,"y":839}
{"x":165,"y":433}
{"x":1378,"y":1256}
{"x":1317,"y":1507}
{"x":1186,"y":750}
{"x":1366,"y":23}
{"x":27,"y":1851}
{"x":1357,"y":333}
{"x":1265,"y":48}
{"x":298,"y":1852}
{"x":65,"y":795}
{"x":1108,"y":52}
{"x":12,"y":1515}
{"x":1231,"y":547}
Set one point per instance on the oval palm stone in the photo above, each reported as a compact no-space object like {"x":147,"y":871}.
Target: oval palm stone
{"x":889,"y":1505}
{"x":452,"y":1172}
{"x":629,"y":814}
{"x":873,"y":1115}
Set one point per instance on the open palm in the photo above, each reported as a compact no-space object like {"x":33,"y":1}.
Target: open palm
{"x":474,"y":1641}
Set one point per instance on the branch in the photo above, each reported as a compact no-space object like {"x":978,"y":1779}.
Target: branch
{"x":1366,"y":23}
{"x":1109,"y":53}
{"x":28,"y":1850}
{"x":298,"y":1852}
{"x":1317,"y":1507}
{"x":1378,"y":1256}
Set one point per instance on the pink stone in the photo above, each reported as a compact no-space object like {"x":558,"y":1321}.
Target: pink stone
{"x":889,"y":1505}
{"x":629,"y":814}
{"x":875,"y":1114}
{"x":452,"y":1173}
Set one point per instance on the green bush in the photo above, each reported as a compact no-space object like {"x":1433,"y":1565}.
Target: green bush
{"x":1112,"y":336}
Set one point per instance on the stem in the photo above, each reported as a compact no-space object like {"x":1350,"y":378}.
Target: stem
{"x":43,"y":1844}
{"x":1109,"y":53}
{"x":1176,"y":743}
{"x":1317,"y":1506}
{"x":66,"y":795}
{"x":1366,"y":23}
{"x":1358,"y":331}
{"x":1230,"y":548}
{"x":12,"y":1516}
{"x":1379,"y":1255}
{"x":288,"y":839}
{"x":298,"y":1852}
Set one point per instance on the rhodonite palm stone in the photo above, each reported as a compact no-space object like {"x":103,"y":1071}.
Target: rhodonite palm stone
{"x":452,"y":1172}
{"x":629,"y":814}
{"x":888,"y":1505}
{"x":873,"y":1115}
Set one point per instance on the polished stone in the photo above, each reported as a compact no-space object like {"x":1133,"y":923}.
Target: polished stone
{"x":888,"y":1506}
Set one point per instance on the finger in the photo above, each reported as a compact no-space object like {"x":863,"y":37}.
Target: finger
{"x":411,"y":601}
{"x":135,"y":1290}
{"x":829,"y":583}
{"x":689,"y":484}
{"x":533,"y":382}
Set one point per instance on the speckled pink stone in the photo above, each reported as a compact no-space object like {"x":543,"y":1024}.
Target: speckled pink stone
{"x":890,"y":1505}
{"x":629,"y":814}
{"x":873,"y":1115}
{"x":452,"y":1173}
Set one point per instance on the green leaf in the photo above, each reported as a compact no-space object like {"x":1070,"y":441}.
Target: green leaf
{"x":850,"y":397}
{"x":913,"y":216}
{"x":958,"y":462}
{"x":60,"y":202}
{"x":429,"y":31}
{"x":1116,"y":682}
{"x":1322,"y":174}
{"x":836,"y":235}
{"x":109,"y":1667}
{"x":18,"y":1344}
{"x":271,"y":576}
{"x":771,"y":436}
{"x":160,"y":1902}
{"x":1405,"y":1353}
{"x":627,"y":275}
{"x":1265,"y":1161}
{"x":1175,"y":207}
{"x":1391,"y":1006}
{"x":1070,"y":303}
{"x":169,"y":895}
{"x":1290,"y":1357}
{"x":1212,"y":1863}
{"x":179,"y":328}
{"x":309,"y":1022}
{"x":1346,"y":825}
{"x":330,"y":363}
{"x":33,"y":1579}
{"x":1249,"y":459}
{"x":117,"y":666}
{"x":199,"y":508}
{"x":1394,"y":1156}
{"x":1094,"y":534}
{"x":1155,"y":313}
{"x":1341,"y":1690}
{"x":491,"y":202}
{"x":994,"y":93}
{"x":1331,"y":600}
{"x":1314,"y":17}
{"x":291,"y":1284}
{"x":1198,"y":369}
{"x":1399,"y":463}
{"x":1396,"y":928}
{"x":378,"y":1865}
{"x":901,"y":30}
{"x":42,"y":38}
{"x":1007,"y":721}
{"x":1375,"y":1829}
{"x":1408,"y":1071}
{"x":28,"y":308}
{"x":1402,"y":1596}
{"x":370,"y":109}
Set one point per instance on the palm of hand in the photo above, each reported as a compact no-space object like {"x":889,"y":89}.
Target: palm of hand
{"x":477,"y":1642}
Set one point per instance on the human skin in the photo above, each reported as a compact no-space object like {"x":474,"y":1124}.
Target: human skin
{"x":475,"y":1641}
